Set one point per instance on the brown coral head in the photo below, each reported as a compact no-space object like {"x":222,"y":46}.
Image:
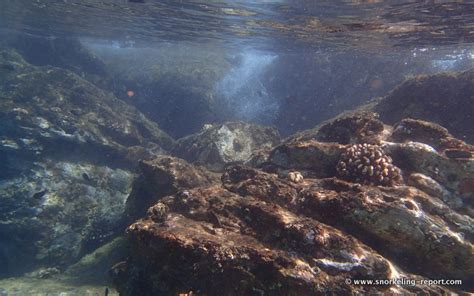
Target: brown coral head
{"x":368,"y":164}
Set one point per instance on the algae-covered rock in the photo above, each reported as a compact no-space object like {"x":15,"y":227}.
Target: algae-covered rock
{"x":315,"y":158}
{"x":219,"y":145}
{"x":414,"y":157}
{"x":67,"y":151}
{"x":94,"y":267}
{"x":51,"y":111}
{"x":444,"y":98}
{"x":48,"y":287}
{"x":432,"y":134}
{"x":412,"y":228}
{"x":266,"y":234}
{"x":348,"y":128}
{"x":273,"y":233}
{"x":163,"y":176}
{"x":53,"y":214}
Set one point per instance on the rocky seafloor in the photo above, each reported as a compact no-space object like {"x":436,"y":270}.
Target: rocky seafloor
{"x":94,"y":195}
{"x":288,"y":223}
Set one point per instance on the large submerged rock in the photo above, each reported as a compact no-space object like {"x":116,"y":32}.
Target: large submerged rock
{"x":292,"y":226}
{"x":444,"y":98}
{"x":220,"y":145}
{"x":51,"y":111}
{"x":67,"y":154}
{"x":160,"y":177}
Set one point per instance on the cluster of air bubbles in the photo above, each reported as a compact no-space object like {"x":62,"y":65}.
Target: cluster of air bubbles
{"x":368,"y":164}
{"x":242,"y":91}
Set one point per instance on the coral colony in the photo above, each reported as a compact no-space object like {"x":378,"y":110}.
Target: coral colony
{"x":368,"y":164}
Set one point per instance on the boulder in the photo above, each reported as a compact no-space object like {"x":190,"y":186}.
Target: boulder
{"x":444,"y":98}
{"x":160,"y":177}
{"x":33,"y":286}
{"x":432,"y":134}
{"x":51,"y":111}
{"x":93,"y":268}
{"x":311,"y":157}
{"x":351,"y":127}
{"x":220,"y":145}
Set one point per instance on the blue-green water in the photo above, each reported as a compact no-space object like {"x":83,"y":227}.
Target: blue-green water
{"x":89,"y":88}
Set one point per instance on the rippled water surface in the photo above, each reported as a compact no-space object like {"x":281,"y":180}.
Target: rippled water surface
{"x":283,"y":24}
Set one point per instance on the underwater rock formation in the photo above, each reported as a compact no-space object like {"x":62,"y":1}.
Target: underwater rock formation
{"x":220,"y":145}
{"x":444,"y":98}
{"x":432,"y":134}
{"x":51,"y":111}
{"x":311,"y":157}
{"x":355,"y":127}
{"x":93,"y":268}
{"x":160,"y":177}
{"x":67,"y":154}
{"x":257,"y":231}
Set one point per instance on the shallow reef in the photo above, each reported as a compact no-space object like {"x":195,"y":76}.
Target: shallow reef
{"x":260,"y":230}
{"x":382,"y":192}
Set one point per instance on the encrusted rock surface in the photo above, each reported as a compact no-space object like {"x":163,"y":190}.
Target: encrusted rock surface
{"x":68,"y":151}
{"x":53,"y":215}
{"x":311,"y":157}
{"x":444,"y":98}
{"x":432,"y":134}
{"x":51,"y":111}
{"x":348,"y":128}
{"x":452,"y":174}
{"x":219,"y":145}
{"x":47,"y":287}
{"x":163,"y":176}
{"x":93,"y":268}
{"x":258,"y":232}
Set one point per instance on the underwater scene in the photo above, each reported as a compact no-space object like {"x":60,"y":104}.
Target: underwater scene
{"x":247,"y":147}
